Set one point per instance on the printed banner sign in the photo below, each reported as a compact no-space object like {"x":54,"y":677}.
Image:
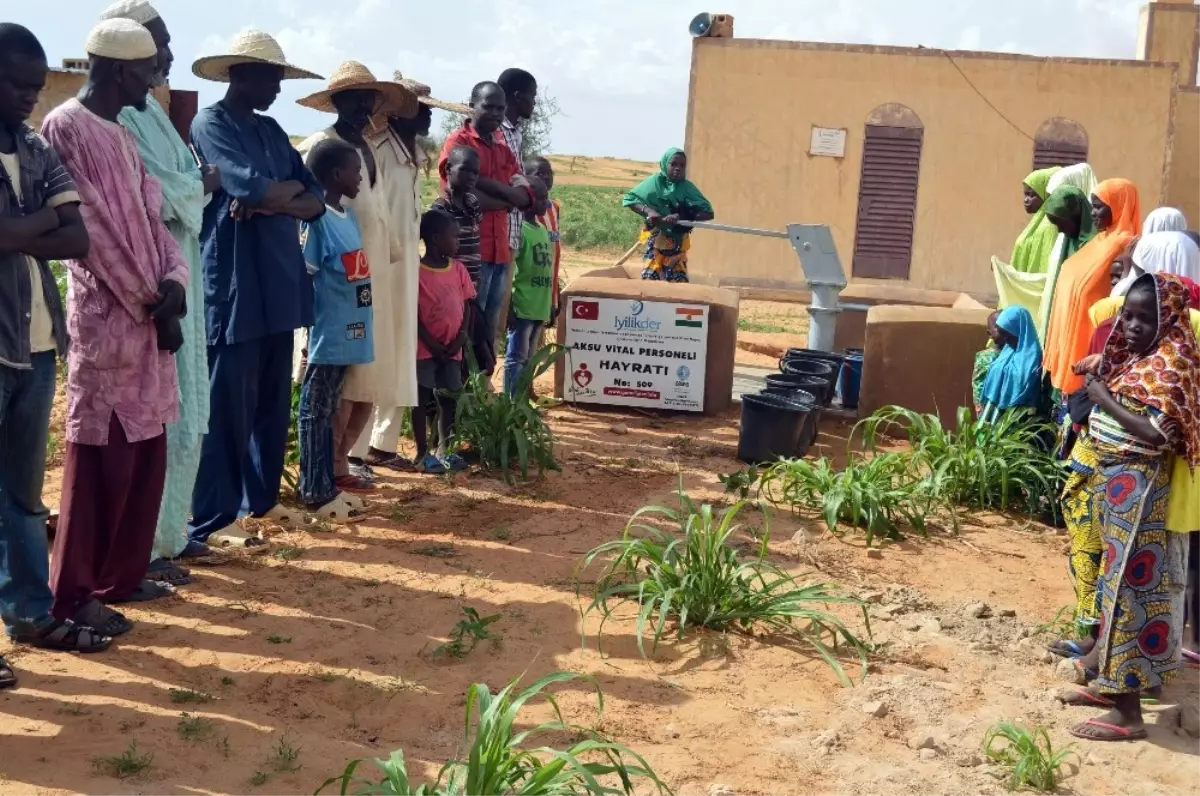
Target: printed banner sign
{"x":633,"y":353}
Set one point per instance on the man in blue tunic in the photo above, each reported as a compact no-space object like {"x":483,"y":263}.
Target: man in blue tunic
{"x":256,"y":289}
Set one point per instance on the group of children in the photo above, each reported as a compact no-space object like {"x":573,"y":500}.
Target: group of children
{"x":448,"y":320}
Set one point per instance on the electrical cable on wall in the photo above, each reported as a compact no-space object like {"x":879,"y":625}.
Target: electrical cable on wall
{"x":975,"y":88}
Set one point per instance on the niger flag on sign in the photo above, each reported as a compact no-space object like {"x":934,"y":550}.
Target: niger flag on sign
{"x":689,"y":316}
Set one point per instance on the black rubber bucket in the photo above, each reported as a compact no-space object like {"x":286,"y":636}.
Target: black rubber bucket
{"x":808,"y":430}
{"x":818,"y":386}
{"x":771,"y":427}
{"x":826,"y":371}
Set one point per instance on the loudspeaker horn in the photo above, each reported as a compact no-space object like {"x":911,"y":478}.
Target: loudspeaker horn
{"x":700,"y":25}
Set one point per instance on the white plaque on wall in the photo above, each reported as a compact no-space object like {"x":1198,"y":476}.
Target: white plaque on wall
{"x":828,"y":142}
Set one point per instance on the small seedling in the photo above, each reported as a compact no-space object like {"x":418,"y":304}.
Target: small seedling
{"x":284,"y":756}
{"x":501,"y":534}
{"x":289,"y":553}
{"x":371,"y":583}
{"x":258,"y":778}
{"x":327,"y":677}
{"x":436,"y":551}
{"x":194,"y":728}
{"x":467,"y":634}
{"x":227,"y":681}
{"x":275,"y":638}
{"x":400,"y":514}
{"x":740,"y":483}
{"x":74,"y":709}
{"x":127,"y":764}
{"x":186,"y":696}
{"x":1027,"y":754}
{"x":1061,"y":626}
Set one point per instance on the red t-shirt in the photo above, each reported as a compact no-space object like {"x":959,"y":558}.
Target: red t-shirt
{"x":441,"y":299}
{"x":496,"y":162}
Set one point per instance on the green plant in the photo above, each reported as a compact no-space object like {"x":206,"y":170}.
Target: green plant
{"x":275,"y":638}
{"x":877,"y":493}
{"x":437,"y":550}
{"x":127,"y":764}
{"x":467,"y":634}
{"x":186,"y":696}
{"x":502,"y":760}
{"x":284,"y":756}
{"x":289,"y":553}
{"x":227,"y":681}
{"x":1000,"y":464}
{"x":741,"y":482}
{"x":503,"y":431}
{"x":1063,"y":625}
{"x":1027,"y":754}
{"x":291,"y":456}
{"x":694,"y":577}
{"x":194,"y":728}
{"x":259,"y":778}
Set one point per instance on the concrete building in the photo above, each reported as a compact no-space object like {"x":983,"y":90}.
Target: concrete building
{"x":914,"y":157}
{"x":65,"y":82}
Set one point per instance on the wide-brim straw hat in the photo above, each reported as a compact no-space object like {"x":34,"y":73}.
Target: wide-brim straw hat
{"x":251,"y":47}
{"x":423,"y":93}
{"x":395,"y":99}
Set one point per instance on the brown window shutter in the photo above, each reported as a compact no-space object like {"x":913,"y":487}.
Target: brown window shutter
{"x":887,"y":202}
{"x":1058,"y":153}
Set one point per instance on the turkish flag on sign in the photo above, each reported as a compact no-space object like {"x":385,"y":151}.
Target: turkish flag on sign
{"x":585,"y":310}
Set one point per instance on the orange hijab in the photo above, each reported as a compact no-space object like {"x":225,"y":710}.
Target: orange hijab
{"x":1084,"y":280}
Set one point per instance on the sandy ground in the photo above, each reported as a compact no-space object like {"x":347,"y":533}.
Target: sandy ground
{"x":323,"y":651}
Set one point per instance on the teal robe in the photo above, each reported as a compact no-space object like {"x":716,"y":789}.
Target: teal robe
{"x":170,"y":161}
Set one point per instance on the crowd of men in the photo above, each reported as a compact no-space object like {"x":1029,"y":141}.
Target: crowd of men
{"x":187,"y":285}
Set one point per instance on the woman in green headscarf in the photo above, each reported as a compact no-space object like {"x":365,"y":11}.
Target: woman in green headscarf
{"x":1069,"y":211}
{"x":1020,"y":281}
{"x":663,"y":200}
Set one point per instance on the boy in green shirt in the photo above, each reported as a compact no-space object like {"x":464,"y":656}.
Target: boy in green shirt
{"x":532,"y":288}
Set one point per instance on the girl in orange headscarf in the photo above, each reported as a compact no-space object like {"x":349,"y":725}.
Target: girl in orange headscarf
{"x":1084,"y":280}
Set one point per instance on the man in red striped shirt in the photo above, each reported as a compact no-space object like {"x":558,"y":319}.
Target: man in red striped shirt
{"x":494,"y":190}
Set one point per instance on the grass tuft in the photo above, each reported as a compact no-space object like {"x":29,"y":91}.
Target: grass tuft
{"x":467,"y":634}
{"x":187,"y":696}
{"x":1028,"y":756}
{"x":194,"y":728}
{"x":693,"y":576}
{"x":503,"y":759}
{"x":125,"y":765}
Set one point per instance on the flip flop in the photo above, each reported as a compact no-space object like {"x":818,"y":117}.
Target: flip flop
{"x":95,"y":614}
{"x":163,"y":571}
{"x":1115,"y":732}
{"x":145,"y":591}
{"x":352,"y":483}
{"x":194,"y":549}
{"x":1078,"y":697}
{"x":1066,"y":648}
{"x":8,"y":678}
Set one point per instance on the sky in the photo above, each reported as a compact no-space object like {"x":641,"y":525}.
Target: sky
{"x":618,"y":68}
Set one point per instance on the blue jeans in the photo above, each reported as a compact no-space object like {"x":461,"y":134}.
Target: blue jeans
{"x":241,"y":458}
{"x":319,"y":399}
{"x":522,"y":337}
{"x":489,"y":295}
{"x":25,"y":399}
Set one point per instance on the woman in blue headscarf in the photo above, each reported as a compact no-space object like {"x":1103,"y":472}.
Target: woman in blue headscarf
{"x":1015,"y":377}
{"x":663,"y":200}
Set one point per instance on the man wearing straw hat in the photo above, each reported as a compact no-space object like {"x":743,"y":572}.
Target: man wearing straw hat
{"x":257,"y":291}
{"x":398,"y":159}
{"x":127,"y":296}
{"x":389,"y":381}
{"x":184,"y":187}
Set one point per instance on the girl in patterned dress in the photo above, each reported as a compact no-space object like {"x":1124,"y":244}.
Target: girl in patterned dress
{"x":1147,"y":410}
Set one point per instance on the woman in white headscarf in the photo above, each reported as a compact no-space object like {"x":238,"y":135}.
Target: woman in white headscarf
{"x":1164,"y":219}
{"x":1163,"y":253}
